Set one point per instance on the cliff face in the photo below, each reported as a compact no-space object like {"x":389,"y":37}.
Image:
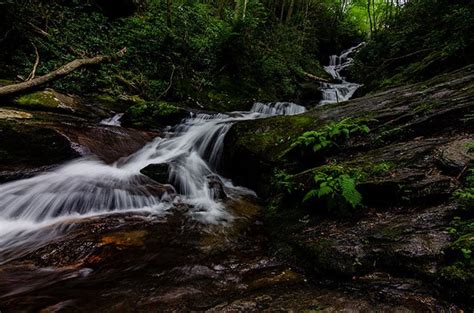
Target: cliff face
{"x":414,"y":158}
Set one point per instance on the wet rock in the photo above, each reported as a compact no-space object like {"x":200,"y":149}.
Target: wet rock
{"x":30,"y":145}
{"x":107,"y":143}
{"x":420,"y":133}
{"x":216,"y":185}
{"x":130,"y":238}
{"x":158,"y":172}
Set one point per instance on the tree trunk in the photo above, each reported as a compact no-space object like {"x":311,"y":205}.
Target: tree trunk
{"x":290,"y":11}
{"x":169,"y":13}
{"x":370,"y":17}
{"x":244,"y":11}
{"x":56,"y":74}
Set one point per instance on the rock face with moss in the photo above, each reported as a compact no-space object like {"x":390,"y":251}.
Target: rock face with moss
{"x":41,"y":129}
{"x":153,"y":114}
{"x":372,"y":207}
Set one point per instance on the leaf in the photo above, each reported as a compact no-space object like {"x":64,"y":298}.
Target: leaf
{"x":324,"y":190}
{"x":349,"y":192}
{"x":310,"y":195}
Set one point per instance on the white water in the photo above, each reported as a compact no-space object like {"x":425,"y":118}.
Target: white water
{"x":113,"y":121}
{"x":344,"y":90}
{"x":88,"y":187}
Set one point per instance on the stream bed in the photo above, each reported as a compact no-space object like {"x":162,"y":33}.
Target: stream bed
{"x":94,"y":236}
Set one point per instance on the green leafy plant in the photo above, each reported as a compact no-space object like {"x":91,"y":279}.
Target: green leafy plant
{"x":470,"y":146}
{"x":336,"y":186}
{"x":283,"y":181}
{"x":329,"y":135}
{"x":465,"y":196}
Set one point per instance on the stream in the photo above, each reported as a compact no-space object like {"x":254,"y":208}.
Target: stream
{"x":89,"y":235}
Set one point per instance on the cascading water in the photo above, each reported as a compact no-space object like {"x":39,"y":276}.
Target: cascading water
{"x":343,"y":90}
{"x":88,"y":187}
{"x":113,"y":121}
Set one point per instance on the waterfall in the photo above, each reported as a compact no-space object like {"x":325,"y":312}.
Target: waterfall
{"x":88,"y":187}
{"x":342,"y":90}
{"x":113,"y":121}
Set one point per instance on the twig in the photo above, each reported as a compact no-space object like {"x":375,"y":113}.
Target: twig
{"x":169,"y":84}
{"x":462,"y":172}
{"x":35,"y":66}
{"x":39,"y":30}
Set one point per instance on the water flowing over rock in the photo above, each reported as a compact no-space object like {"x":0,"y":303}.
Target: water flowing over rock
{"x":341,"y":90}
{"x":88,"y":187}
{"x":113,"y":121}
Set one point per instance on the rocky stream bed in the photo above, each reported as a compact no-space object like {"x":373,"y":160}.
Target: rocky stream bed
{"x":388,"y":257}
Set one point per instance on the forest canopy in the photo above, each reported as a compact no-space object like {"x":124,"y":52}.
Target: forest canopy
{"x":225,"y":51}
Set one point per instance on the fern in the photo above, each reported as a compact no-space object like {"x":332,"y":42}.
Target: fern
{"x":330,"y":134}
{"x":349,"y":191}
{"x":336,"y":184}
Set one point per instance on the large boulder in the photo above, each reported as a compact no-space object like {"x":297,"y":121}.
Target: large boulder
{"x":157,"y":172}
{"x":407,"y":169}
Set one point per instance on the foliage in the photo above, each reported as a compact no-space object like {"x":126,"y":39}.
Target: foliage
{"x":204,"y":52}
{"x":465,"y":196}
{"x":460,"y":266}
{"x":423,"y":39}
{"x":283,"y":181}
{"x":337,"y":186}
{"x":332,"y":134}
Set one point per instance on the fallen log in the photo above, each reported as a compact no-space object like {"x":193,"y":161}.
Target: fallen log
{"x":316,"y":78}
{"x":58,"y":73}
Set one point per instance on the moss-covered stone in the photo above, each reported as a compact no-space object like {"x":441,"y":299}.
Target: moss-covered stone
{"x":52,"y":101}
{"x":39,"y":99}
{"x":153,"y":114}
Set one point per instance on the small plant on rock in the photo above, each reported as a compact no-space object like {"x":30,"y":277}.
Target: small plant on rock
{"x":331,"y":134}
{"x":337,"y":187}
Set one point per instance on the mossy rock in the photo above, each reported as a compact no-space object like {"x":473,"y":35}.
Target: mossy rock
{"x":51,"y":100}
{"x":153,"y":115}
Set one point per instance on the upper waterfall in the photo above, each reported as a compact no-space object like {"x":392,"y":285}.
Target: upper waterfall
{"x":342,"y":90}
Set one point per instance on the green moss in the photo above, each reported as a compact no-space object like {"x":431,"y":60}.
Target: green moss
{"x":272,"y":136}
{"x":40,"y":100}
{"x":153,"y":114}
{"x":373,"y":170}
{"x":426,"y":107}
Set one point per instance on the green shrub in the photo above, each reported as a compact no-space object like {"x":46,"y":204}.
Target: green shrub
{"x":283,"y":181}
